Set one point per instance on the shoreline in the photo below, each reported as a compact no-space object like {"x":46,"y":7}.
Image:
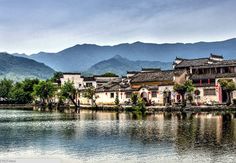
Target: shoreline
{"x":149,"y":109}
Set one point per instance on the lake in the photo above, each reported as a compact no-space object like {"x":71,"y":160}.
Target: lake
{"x":119,"y":137}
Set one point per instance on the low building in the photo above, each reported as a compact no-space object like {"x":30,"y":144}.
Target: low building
{"x":156,"y":86}
{"x":107,"y":93}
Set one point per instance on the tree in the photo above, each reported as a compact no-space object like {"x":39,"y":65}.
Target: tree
{"x":117,"y":101}
{"x":56,"y":77}
{"x":182,"y":89}
{"x":68,"y":91}
{"x":44,"y":90}
{"x":134,"y":98}
{"x":229,"y":86}
{"x":109,"y":74}
{"x":22,"y":91}
{"x":5,"y":88}
{"x":89,"y":93}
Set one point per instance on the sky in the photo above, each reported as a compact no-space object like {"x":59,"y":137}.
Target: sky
{"x":31,"y":26}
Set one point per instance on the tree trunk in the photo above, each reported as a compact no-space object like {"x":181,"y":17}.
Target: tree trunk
{"x":183,"y":99}
{"x":76,"y":106}
{"x":228,"y":98}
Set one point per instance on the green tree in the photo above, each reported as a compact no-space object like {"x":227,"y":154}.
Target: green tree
{"x":141,"y":105}
{"x":5,"y":88}
{"x":109,"y":74}
{"x":134,"y":98}
{"x":117,"y":101}
{"x":44,"y":90}
{"x":90,"y":93}
{"x":182,"y":89}
{"x":57,"y":77}
{"x":229,"y":86}
{"x":68,"y":91}
{"x":22,"y":91}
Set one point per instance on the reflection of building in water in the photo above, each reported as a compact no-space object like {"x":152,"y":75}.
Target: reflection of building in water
{"x":205,"y":132}
{"x":211,"y":124}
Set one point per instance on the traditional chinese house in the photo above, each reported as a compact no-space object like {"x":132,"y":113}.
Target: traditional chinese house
{"x":205,"y":73}
{"x":156,"y":86}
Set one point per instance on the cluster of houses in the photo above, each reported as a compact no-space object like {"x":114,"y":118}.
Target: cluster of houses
{"x":156,"y":86}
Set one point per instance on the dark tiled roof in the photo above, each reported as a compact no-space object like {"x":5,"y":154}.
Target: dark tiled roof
{"x":212,"y":76}
{"x":89,"y":78}
{"x":156,"y":76}
{"x":202,"y":76}
{"x":204,"y":63}
{"x":151,"y":69}
{"x":71,"y":73}
{"x":132,"y":72}
{"x":192,"y":62}
{"x":226,"y":75}
{"x":216,"y":56}
{"x":114,"y":85}
{"x":218,"y":64}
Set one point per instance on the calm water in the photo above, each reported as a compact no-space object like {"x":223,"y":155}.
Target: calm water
{"x":113,"y":137}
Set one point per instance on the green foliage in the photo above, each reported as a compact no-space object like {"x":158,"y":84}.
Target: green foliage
{"x":22,"y":91}
{"x":117,"y":101}
{"x":44,"y":90}
{"x":187,"y":86}
{"x":140,"y":106}
{"x":109,"y":74}
{"x":134,"y":98}
{"x":89,"y":93}
{"x":227,"y":85}
{"x":182,"y":89}
{"x":5,"y":88}
{"x":68,"y":90}
{"x":56,"y":77}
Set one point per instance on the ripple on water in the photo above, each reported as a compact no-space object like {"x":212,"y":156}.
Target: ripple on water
{"x":106,"y":136}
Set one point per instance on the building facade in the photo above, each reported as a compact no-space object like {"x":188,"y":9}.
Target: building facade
{"x":205,"y":74}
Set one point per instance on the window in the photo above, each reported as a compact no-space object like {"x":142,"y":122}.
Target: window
{"x":89,"y":84}
{"x":154,"y":94}
{"x":209,"y":92}
{"x":112,"y":95}
{"x":128,"y":94}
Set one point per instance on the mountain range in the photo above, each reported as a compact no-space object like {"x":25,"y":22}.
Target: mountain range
{"x":18,"y":68}
{"x":120,"y":65}
{"x":87,"y":57}
{"x":82,"y":57}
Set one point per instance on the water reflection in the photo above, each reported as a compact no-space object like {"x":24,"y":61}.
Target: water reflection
{"x":98,"y":136}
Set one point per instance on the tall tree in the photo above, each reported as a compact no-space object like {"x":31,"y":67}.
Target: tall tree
{"x":44,"y":90}
{"x":229,"y":86}
{"x":68,"y":91}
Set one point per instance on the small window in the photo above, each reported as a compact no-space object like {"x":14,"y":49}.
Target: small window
{"x":128,"y":94}
{"x":112,"y":95}
{"x":89,"y":84}
{"x":209,"y":92}
{"x":154,"y":94}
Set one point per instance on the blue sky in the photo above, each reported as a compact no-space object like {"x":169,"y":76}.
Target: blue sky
{"x":30,"y":26}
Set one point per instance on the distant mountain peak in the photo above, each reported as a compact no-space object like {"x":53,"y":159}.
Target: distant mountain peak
{"x":118,"y":57}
